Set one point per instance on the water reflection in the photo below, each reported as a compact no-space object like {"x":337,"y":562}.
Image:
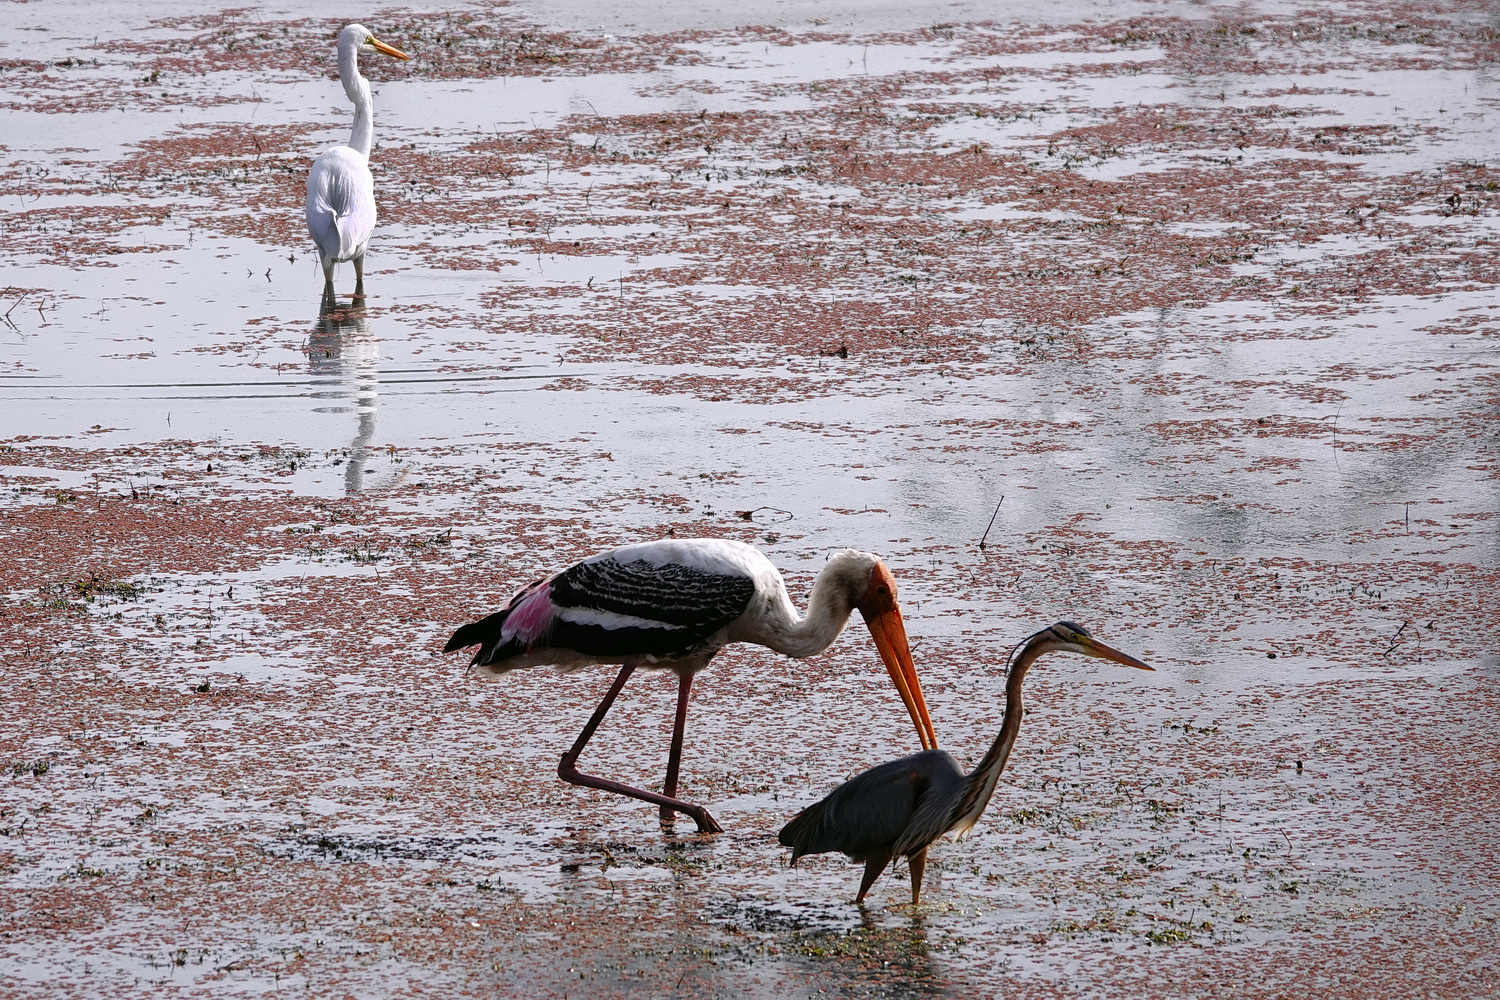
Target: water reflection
{"x":344,"y":361}
{"x":888,"y":961}
{"x":644,"y":921}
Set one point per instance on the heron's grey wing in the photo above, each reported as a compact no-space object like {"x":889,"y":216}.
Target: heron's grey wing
{"x":875,"y":810}
{"x":934,"y":813}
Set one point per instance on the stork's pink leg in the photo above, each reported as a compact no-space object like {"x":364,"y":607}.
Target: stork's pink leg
{"x":674,"y":759}
{"x":567,"y":768}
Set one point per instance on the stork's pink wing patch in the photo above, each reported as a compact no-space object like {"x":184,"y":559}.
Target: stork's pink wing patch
{"x":532,"y":618}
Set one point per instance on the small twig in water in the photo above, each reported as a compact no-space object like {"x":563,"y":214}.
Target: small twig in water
{"x":1287,"y":839}
{"x":1396,"y":639}
{"x":987,"y":527}
{"x":1336,"y":436}
{"x":749,"y":515}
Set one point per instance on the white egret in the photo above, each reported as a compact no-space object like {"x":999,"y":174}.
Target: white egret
{"x":340,"y":187}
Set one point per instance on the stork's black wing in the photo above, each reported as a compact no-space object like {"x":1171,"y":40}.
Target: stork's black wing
{"x":669,"y":593}
{"x":606,"y":607}
{"x":609,"y":608}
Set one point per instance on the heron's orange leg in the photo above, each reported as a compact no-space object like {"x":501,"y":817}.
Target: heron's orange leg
{"x":674,"y":759}
{"x":918,"y":864}
{"x":874,"y":865}
{"x":567,"y":768}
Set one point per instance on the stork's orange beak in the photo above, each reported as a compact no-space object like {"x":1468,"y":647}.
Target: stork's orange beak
{"x":883,"y":615}
{"x":389,"y":50}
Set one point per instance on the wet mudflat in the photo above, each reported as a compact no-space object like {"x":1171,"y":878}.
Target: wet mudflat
{"x":1205,"y":294}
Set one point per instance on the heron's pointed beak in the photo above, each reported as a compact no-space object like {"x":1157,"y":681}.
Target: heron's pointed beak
{"x":389,"y":50}
{"x":1093,"y":647}
{"x":883,"y":616}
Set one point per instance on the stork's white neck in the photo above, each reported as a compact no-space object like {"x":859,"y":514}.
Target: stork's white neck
{"x":839,"y":585}
{"x":362,"y":135}
{"x":827,"y":614}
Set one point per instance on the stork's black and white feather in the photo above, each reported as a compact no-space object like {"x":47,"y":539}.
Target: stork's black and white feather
{"x":672,"y":604}
{"x":630,"y":602}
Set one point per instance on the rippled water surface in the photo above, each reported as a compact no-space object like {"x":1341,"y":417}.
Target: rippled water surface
{"x":1186,"y":311}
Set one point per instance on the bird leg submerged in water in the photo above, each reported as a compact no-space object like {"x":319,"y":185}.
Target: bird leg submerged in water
{"x":340,"y":187}
{"x":673,"y":604}
{"x":567,"y":768}
{"x":903,"y":806}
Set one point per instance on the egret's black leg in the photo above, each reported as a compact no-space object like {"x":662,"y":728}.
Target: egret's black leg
{"x":918,"y":863}
{"x":359,"y":276}
{"x":874,"y":865}
{"x":567,"y":768}
{"x":674,"y":759}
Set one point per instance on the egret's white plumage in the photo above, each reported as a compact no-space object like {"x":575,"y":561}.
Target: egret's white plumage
{"x":340,"y":187}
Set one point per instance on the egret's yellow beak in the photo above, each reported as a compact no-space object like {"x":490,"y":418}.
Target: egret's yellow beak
{"x":385,"y":49}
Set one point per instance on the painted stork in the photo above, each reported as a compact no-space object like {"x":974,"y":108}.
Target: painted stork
{"x":903,"y":806}
{"x":671,"y":605}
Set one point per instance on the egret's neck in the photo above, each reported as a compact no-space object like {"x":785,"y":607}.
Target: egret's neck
{"x":358,"y":88}
{"x":980,"y":785}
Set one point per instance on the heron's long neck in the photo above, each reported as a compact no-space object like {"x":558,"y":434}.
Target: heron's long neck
{"x":828,"y":610}
{"x":980,"y":784}
{"x":358,"y":88}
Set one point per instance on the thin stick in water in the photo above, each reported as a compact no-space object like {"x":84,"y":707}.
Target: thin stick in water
{"x":987,"y":527}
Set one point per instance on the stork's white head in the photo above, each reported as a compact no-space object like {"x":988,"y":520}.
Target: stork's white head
{"x":851,"y":577}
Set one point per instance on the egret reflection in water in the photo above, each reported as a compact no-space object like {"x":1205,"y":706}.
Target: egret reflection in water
{"x":344,"y":362}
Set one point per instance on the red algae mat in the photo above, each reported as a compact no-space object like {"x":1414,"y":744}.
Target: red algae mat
{"x":1187,"y":311}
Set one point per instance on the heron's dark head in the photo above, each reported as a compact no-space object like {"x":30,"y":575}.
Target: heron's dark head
{"x":1070,"y":637}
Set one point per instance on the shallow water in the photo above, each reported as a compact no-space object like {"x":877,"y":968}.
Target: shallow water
{"x":1196,"y":321}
